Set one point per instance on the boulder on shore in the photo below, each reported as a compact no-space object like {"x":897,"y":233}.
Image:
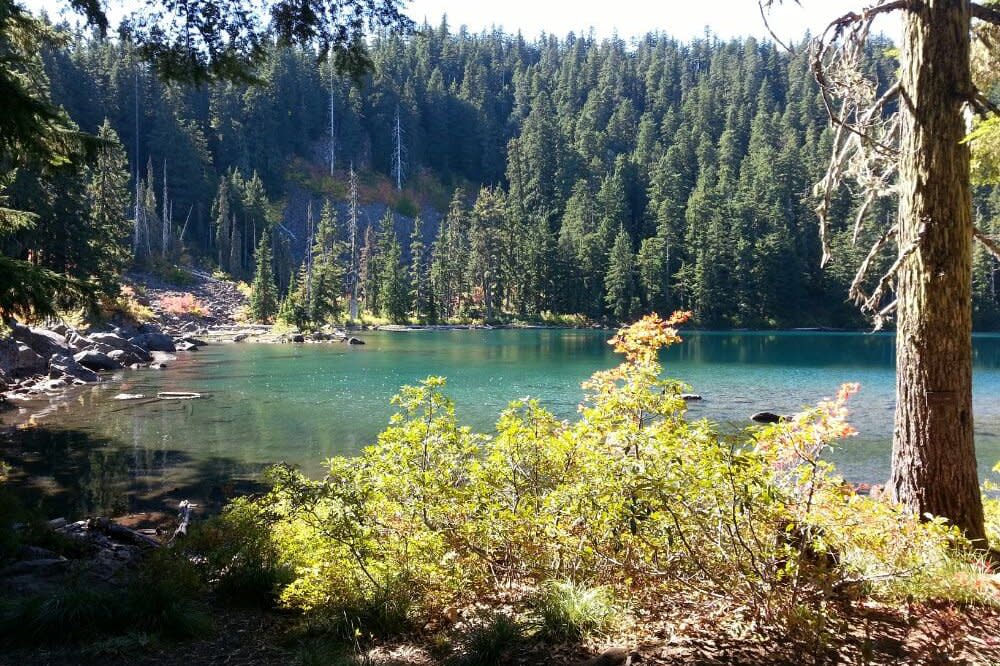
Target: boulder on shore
{"x":116,"y":341}
{"x":127,"y":359}
{"x":154,"y":342}
{"x":19,"y":360}
{"x":67,"y":366}
{"x":96,"y":361}
{"x":46,"y":343}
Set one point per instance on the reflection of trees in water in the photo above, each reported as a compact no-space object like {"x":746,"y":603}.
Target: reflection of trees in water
{"x":103,"y":483}
{"x":73,"y":473}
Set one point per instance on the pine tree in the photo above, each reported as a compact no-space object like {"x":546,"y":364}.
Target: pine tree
{"x":293,"y":311}
{"x":483,"y":266}
{"x":451,"y":252}
{"x":108,"y":197}
{"x":369,"y":271}
{"x":420,"y":296}
{"x":327,"y":279}
{"x":264,"y":293}
{"x":620,"y":289}
{"x":393,"y":286}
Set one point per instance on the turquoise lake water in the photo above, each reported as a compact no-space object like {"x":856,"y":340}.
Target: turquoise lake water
{"x":304,"y":403}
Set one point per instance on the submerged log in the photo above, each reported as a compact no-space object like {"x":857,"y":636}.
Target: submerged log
{"x":177,"y":395}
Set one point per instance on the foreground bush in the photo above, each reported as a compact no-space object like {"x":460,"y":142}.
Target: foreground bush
{"x":631,"y":501}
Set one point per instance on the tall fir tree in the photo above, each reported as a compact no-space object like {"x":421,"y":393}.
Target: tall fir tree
{"x":263,"y":291}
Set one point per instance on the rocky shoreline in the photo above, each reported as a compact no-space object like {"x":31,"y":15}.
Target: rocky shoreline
{"x":46,"y":362}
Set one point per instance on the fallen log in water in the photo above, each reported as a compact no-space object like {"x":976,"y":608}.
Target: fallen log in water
{"x":177,"y":395}
{"x":121,"y":533}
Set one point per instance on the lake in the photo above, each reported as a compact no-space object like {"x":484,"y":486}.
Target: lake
{"x":304,"y":403}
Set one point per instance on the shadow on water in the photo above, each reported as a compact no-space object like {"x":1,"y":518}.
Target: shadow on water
{"x":73,"y":473}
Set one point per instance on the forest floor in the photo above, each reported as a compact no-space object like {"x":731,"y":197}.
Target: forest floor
{"x":942,"y":633}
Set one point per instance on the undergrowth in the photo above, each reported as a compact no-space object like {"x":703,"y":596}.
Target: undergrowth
{"x":629,"y":501}
{"x":165,"y":600}
{"x":550,"y":525}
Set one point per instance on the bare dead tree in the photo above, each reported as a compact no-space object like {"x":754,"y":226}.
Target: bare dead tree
{"x":398,"y":151}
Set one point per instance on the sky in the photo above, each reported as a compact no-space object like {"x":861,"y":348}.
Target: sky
{"x":632,"y":18}
{"x":683,"y":19}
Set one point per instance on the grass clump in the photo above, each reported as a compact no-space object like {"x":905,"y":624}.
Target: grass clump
{"x":491,"y":642}
{"x":570,"y":611}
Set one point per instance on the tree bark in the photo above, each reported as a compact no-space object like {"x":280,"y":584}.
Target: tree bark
{"x":933,"y":458}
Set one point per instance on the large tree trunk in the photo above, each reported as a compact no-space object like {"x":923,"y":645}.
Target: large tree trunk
{"x":933,"y":455}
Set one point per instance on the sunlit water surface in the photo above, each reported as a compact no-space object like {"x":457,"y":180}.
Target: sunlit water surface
{"x":304,"y":403}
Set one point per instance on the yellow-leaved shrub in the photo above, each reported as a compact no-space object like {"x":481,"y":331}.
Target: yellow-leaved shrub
{"x":631,"y":497}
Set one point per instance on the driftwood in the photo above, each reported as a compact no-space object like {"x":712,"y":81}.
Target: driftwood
{"x":121,"y":533}
{"x":185,"y":518}
{"x":177,"y":395}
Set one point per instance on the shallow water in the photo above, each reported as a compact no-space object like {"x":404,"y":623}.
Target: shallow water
{"x":304,"y":403}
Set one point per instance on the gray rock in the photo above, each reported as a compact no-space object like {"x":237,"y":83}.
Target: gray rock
{"x":118,"y":342}
{"x":78,"y":342}
{"x":614,"y":656}
{"x":28,"y":360}
{"x":154,"y":342}
{"x":36,"y":553}
{"x":186,"y":346}
{"x":68,"y":367}
{"x":298,"y":337}
{"x":124,"y":358}
{"x":690,"y":396}
{"x":355,"y":341}
{"x":43,"y":567}
{"x":45,"y":343}
{"x":96,"y":361}
{"x":19,"y":360}
{"x":766,"y":417}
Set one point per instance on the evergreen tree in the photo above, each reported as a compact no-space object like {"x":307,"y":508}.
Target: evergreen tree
{"x":483,"y":266}
{"x":264,"y":293}
{"x":393,"y":285}
{"x":619,"y":285}
{"x":421,"y":295}
{"x":108,"y":197}
{"x":369,"y":271}
{"x":327,"y":280}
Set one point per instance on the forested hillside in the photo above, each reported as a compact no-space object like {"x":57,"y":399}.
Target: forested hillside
{"x":605,"y":177}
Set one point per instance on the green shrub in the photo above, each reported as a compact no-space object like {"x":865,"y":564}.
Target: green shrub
{"x":239,"y":558}
{"x":406,"y":206}
{"x":632,"y":496}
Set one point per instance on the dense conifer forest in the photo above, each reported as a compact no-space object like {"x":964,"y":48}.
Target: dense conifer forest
{"x":567,"y":175}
